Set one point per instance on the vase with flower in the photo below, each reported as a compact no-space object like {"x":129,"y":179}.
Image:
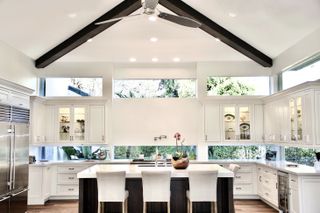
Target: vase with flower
{"x":180,"y":158}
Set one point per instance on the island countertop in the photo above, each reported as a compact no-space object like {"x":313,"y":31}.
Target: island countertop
{"x":134,"y":171}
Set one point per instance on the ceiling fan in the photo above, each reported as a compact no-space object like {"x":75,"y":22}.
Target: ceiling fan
{"x":150,"y":8}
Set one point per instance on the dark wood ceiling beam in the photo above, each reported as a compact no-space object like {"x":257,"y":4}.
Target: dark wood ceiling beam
{"x":123,"y":9}
{"x":212,"y":28}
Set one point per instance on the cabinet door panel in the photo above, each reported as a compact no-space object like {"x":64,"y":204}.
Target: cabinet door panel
{"x":212,"y":122}
{"x":96,"y":124}
{"x":230,"y":129}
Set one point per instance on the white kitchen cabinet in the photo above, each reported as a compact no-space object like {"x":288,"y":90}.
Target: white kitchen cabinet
{"x":42,"y":120}
{"x":72,"y":124}
{"x":96,"y":124}
{"x":212,"y":123}
{"x":301,"y":120}
{"x":268,"y":184}
{"x":245,"y":181}
{"x":237,"y":122}
{"x":304,"y":196}
{"x":39,"y":185}
{"x":258,"y":132}
{"x":317,"y":116}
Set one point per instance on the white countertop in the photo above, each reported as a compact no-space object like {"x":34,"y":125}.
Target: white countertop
{"x":134,"y":171}
{"x":279,"y":165}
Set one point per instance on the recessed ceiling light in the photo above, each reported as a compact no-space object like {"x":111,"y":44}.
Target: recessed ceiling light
{"x":153,"y":39}
{"x":90,"y":40}
{"x":154,"y":59}
{"x":152,"y":18}
{"x":232,"y":15}
{"x":176,"y":59}
{"x":218,"y":39}
{"x":132,"y":59}
{"x":72,"y":15}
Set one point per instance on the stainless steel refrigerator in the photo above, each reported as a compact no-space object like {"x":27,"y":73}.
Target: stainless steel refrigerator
{"x":14,"y":159}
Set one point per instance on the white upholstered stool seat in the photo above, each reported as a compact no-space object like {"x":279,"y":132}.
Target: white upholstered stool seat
{"x":234,"y":167}
{"x":156,"y":187}
{"x":111,"y":188}
{"x":202,"y":188}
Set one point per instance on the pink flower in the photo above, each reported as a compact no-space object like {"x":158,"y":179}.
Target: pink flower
{"x":177,"y":136}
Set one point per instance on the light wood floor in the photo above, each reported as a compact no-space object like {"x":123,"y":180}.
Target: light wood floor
{"x":241,"y":206}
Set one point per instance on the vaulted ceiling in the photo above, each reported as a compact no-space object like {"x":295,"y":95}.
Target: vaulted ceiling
{"x":271,"y":26}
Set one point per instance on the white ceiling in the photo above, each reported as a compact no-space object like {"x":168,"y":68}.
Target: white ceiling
{"x":272,"y":26}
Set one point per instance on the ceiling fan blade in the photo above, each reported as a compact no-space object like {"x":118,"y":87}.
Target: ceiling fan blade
{"x":182,"y":20}
{"x":116,"y":19}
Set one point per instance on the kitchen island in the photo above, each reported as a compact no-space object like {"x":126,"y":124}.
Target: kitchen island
{"x":179,"y":185}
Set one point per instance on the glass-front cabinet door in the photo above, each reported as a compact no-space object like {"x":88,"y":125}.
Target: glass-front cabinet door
{"x":79,"y":119}
{"x":230,"y":123}
{"x":244,"y":123}
{"x":72,"y":124}
{"x":296,"y":119}
{"x":64,"y":123}
{"x":237,"y":123}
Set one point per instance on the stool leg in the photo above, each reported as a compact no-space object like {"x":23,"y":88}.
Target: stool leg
{"x":144,"y":207}
{"x":123,"y":207}
{"x":188,"y":206}
{"x":99,"y":207}
{"x":191,"y":209}
{"x":168,"y":207}
{"x":126,"y":204}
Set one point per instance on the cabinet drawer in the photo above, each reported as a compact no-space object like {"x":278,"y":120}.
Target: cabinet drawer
{"x":242,"y":177}
{"x":245,"y":168}
{"x":70,"y":169}
{"x":67,"y":189}
{"x":68,"y":179}
{"x":241,"y":189}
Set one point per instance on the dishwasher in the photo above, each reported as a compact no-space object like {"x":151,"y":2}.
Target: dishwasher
{"x":283,"y":192}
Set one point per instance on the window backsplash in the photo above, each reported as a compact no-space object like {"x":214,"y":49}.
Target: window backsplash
{"x":59,"y":153}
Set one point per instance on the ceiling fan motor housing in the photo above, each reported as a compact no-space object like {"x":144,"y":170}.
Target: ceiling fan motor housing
{"x":149,"y":6}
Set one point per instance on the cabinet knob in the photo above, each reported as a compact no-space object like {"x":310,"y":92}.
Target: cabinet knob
{"x":102,"y":137}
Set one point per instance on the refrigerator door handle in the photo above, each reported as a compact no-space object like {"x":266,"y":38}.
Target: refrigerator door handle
{"x":4,"y":198}
{"x":15,"y":194}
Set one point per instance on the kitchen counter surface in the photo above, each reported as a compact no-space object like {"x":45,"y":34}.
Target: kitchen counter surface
{"x":279,"y":165}
{"x":134,"y":171}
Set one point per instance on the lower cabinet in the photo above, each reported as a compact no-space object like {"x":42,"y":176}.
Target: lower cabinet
{"x":39,"y":184}
{"x":304,"y":195}
{"x":66,"y":181}
{"x":268,"y":184}
{"x":53,"y":182}
{"x":244,"y":181}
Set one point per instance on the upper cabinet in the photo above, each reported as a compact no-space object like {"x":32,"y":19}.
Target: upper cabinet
{"x":292,"y":116}
{"x":212,"y":123}
{"x":56,"y":123}
{"x":72,"y":124}
{"x":233,"y":122}
{"x":237,"y":122}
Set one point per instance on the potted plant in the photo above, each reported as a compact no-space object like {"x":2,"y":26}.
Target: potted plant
{"x":180,"y":158}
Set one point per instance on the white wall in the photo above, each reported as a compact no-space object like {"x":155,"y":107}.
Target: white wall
{"x":17,"y":67}
{"x":305,"y":48}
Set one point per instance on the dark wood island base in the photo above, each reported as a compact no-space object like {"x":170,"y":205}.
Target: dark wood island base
{"x":88,"y":202}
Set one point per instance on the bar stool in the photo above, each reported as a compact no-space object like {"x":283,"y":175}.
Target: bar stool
{"x":156,"y":187}
{"x":111,"y":188}
{"x":202,"y":188}
{"x":234,"y":167}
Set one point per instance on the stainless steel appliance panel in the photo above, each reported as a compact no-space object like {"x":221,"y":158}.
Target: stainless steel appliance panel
{"x":21,"y":157}
{"x":18,"y":202}
{"x":5,"y":204}
{"x":5,"y":147}
{"x":283,"y":190}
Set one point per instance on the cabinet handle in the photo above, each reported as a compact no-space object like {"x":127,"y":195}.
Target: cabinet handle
{"x":206,"y":137}
{"x":70,"y":189}
{"x":276,"y":185}
{"x":238,"y":176}
{"x":238,"y":188}
{"x":102,"y":137}
{"x":71,"y":178}
{"x":260,"y":178}
{"x":292,"y":180}
{"x":266,"y":194}
{"x":71,"y":169}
